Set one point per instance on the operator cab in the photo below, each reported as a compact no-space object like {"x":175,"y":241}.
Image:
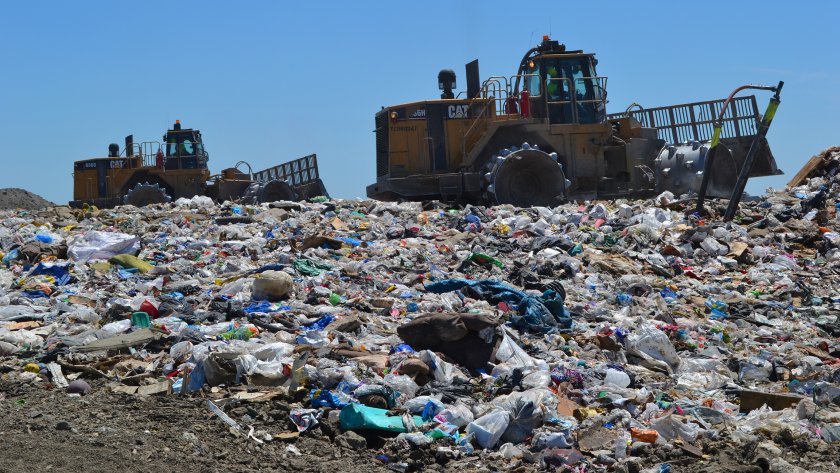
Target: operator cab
{"x":184,"y":148}
{"x":563,"y":85}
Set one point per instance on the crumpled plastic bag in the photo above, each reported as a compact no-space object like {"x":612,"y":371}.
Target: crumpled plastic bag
{"x":488,"y":429}
{"x":655,"y":343}
{"x":527,"y":409}
{"x":512,"y":354}
{"x":670,"y":429}
{"x":96,"y":245}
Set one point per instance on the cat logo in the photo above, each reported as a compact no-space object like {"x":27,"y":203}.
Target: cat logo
{"x":458,"y":111}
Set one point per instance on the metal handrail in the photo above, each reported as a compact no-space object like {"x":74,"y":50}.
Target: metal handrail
{"x":498,"y":92}
{"x":147,"y":151}
{"x":475,"y":122}
{"x":503,"y":94}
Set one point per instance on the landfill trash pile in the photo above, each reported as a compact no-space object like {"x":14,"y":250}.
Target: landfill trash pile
{"x":14,"y":198}
{"x":611,"y":336}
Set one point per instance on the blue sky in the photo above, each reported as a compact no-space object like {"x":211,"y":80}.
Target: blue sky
{"x":266,"y":82}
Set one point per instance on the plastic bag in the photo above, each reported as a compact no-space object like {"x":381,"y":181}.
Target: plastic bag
{"x":617,"y":378}
{"x":527,"y":410}
{"x":755,"y":368}
{"x":653,"y":342}
{"x":458,"y":414}
{"x":418,"y":404}
{"x":488,"y":429}
{"x":96,"y":245}
{"x":512,"y":354}
{"x":402,"y":384}
{"x":536,"y":379}
{"x":441,"y":370}
{"x":670,"y":429}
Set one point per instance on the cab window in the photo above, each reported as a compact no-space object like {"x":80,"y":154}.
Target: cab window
{"x":533,"y":81}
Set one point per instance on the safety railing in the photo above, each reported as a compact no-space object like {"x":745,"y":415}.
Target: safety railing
{"x":479,"y":125}
{"x":296,"y":172}
{"x":146,"y":150}
{"x":695,"y":121}
{"x":495,"y":91}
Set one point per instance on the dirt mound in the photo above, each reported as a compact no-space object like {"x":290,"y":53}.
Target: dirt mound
{"x":14,"y":198}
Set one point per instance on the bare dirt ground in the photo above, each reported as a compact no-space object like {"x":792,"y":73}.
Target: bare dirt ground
{"x":48,"y":430}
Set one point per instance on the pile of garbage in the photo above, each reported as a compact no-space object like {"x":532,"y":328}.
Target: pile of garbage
{"x":625,"y":335}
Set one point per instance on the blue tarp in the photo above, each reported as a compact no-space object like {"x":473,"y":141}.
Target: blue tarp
{"x":543,"y":314}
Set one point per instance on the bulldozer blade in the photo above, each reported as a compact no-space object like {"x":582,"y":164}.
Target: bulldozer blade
{"x":730,"y":159}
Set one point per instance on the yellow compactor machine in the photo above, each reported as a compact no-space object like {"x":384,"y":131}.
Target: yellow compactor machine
{"x":154,"y":172}
{"x":543,"y":135}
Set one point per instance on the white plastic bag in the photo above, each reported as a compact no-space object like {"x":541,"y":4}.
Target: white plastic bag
{"x":617,"y":378}
{"x":670,"y":429}
{"x":488,"y":429}
{"x":402,"y":383}
{"x":512,"y":354}
{"x":458,"y":414}
{"x":96,"y":245}
{"x":653,"y":342}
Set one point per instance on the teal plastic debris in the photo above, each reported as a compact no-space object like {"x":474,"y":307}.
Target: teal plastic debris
{"x":361,"y":417}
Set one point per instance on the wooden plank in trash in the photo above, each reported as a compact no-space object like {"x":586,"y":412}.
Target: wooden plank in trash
{"x":811,"y":165}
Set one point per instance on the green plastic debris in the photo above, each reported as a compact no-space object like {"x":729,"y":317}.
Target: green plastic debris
{"x":361,"y":417}
{"x":141,"y":319}
{"x":484,"y":260}
{"x":310,"y":268}
{"x":319,"y":199}
{"x":130,"y":261}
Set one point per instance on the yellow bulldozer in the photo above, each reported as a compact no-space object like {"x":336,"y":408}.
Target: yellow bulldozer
{"x":155,"y":172}
{"x":543,"y":136}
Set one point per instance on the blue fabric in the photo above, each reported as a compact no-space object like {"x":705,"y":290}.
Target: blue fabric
{"x":321,"y":323}
{"x":543,"y":314}
{"x":57,"y":271}
{"x":197,"y":378}
{"x":402,"y":347}
{"x":350,"y":241}
{"x":262,"y":306}
{"x":324,"y":398}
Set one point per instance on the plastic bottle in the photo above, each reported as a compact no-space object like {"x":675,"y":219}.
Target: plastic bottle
{"x":668,"y":295}
{"x":624,"y":299}
{"x":621,"y":445}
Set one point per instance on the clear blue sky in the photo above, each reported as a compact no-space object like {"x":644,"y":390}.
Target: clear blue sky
{"x":266,"y":82}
